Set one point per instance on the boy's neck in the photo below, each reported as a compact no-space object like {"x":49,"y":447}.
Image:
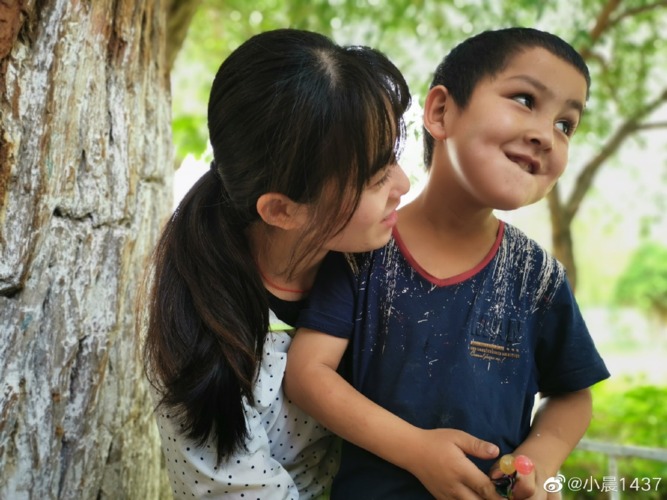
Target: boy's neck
{"x":450,"y":217}
{"x":445,"y":242}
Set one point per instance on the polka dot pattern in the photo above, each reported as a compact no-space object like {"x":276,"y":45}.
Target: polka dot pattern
{"x":289,"y":455}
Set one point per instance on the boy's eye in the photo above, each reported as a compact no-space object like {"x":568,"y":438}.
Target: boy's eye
{"x":565,"y":126}
{"x":525,"y":99}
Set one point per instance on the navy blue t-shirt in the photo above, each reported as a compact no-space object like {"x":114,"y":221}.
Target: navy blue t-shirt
{"x":468,"y":352}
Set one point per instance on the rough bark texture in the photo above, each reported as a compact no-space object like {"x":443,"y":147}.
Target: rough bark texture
{"x":85,"y":183}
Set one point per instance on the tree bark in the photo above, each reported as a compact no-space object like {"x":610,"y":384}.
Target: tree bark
{"x":178,"y":20}
{"x":85,"y":184}
{"x":561,"y":236}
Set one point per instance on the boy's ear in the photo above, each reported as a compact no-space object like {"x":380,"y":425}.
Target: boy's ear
{"x":435,"y":107}
{"x":278,"y":210}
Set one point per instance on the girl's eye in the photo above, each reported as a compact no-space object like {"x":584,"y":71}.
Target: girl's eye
{"x":385,"y":173}
{"x":384,"y":179}
{"x":525,"y":99}
{"x":566,"y":127}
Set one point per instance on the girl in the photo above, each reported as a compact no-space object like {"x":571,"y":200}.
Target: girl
{"x":305,"y":136}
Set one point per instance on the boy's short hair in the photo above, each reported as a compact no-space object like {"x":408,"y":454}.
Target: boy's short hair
{"x":487,"y":54}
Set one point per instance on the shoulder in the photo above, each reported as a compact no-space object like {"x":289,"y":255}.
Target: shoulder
{"x":358,"y":264}
{"x":530,"y":261}
{"x":520,"y":244}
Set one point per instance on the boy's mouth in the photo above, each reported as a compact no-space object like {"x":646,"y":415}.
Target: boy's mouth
{"x":526,"y":163}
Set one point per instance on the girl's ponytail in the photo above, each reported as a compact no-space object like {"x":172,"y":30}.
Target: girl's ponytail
{"x":209,"y":318}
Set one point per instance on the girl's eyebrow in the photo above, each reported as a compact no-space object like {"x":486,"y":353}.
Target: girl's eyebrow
{"x":571,"y":103}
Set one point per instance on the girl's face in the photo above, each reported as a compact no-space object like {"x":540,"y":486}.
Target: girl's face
{"x":372,"y":222}
{"x":509,"y":145}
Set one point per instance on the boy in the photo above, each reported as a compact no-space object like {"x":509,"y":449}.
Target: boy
{"x":458,"y":322}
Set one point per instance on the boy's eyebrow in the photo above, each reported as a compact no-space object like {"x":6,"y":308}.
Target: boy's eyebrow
{"x":572,"y":103}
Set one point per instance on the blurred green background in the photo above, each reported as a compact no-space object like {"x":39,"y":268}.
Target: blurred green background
{"x":606,"y":220}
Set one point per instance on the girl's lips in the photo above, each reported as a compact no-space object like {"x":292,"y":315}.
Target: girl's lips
{"x":391,"y":219}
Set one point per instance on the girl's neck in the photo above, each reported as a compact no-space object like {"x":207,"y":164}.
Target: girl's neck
{"x":279,"y":285}
{"x":273,"y":250}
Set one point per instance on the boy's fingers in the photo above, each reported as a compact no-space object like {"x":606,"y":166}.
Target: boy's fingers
{"x":495,"y":472}
{"x":478,"y":448}
{"x":487,"y":490}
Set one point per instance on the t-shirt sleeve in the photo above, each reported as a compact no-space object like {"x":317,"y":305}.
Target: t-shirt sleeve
{"x":330,"y":306}
{"x":567,"y":358}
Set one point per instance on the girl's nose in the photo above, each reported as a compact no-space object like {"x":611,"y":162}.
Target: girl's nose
{"x":401,"y":181}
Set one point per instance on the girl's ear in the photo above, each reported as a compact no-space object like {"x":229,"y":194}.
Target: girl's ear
{"x":434,"y":112}
{"x":280,"y":211}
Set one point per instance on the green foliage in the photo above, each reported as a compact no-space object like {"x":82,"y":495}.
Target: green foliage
{"x":628,"y":414}
{"x":189,"y":135}
{"x":643,"y":284}
{"x":416,"y":34}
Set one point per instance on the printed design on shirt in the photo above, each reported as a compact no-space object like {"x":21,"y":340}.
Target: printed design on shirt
{"x":523,"y":277}
{"x":391,"y":267}
{"x":492,"y":352}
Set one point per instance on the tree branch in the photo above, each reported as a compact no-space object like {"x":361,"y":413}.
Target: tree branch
{"x":650,"y":126}
{"x":179,"y":16}
{"x":637,"y":10}
{"x":601,"y":24}
{"x":630,"y":126}
{"x":596,"y":56}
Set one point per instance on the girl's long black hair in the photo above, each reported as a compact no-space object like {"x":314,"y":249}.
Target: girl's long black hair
{"x":289,"y":112}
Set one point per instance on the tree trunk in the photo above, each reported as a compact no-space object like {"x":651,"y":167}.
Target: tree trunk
{"x":85,"y":184}
{"x":561,"y":235}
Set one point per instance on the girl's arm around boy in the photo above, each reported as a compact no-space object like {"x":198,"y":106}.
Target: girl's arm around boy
{"x":437,"y":457}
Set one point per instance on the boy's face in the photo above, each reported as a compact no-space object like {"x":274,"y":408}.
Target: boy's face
{"x":509,"y":145}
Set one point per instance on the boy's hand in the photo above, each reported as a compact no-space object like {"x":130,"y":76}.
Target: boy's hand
{"x":446,"y":472}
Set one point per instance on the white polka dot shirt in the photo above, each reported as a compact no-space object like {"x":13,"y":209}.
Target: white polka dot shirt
{"x":288,"y":456}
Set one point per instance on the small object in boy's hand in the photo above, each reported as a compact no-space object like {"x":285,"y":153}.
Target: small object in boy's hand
{"x":504,"y":485}
{"x":509,"y":466}
{"x":506,"y":464}
{"x":523,"y":465}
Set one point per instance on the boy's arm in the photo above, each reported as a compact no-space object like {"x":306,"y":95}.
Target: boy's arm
{"x":436,"y":457}
{"x":559,"y":423}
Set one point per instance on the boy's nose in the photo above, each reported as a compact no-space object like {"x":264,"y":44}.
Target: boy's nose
{"x":541,"y":135}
